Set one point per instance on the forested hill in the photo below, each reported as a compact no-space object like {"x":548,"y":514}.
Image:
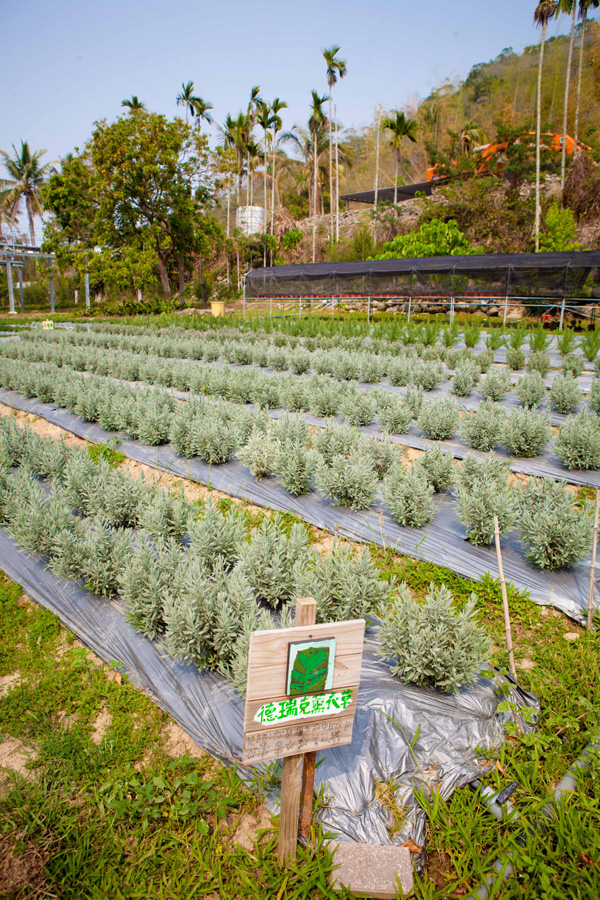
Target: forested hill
{"x":502,"y":91}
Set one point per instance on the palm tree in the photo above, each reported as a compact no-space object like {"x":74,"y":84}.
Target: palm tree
{"x":317,"y":122}
{"x":276,"y":107}
{"x":185,"y":99}
{"x":198,"y":107}
{"x":253,"y":106}
{"x":235,"y":135}
{"x":202,"y":112}
{"x":544,"y":11}
{"x":401,"y":128}
{"x":569,"y":7}
{"x":303,"y":144}
{"x":26,"y":177}
{"x":470,"y":136}
{"x":133,"y":104}
{"x":584,"y":6}
{"x":265,"y":120}
{"x":336,"y":68}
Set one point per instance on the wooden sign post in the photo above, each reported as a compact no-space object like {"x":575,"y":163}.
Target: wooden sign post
{"x":301,"y":697}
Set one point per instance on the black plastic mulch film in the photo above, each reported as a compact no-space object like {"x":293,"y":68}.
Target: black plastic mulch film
{"x":442,"y":541}
{"x":450,"y":727}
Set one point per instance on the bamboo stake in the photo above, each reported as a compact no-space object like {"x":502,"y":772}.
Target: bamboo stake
{"x":507,"y":628}
{"x":591,"y":603}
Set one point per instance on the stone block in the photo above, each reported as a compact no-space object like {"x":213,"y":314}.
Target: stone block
{"x":371,"y":869}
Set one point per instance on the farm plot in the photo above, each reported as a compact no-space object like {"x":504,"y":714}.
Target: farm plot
{"x":137,"y":572}
{"x":348,"y":472}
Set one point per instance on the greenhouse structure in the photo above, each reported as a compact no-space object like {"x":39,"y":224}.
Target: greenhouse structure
{"x":551,"y":282}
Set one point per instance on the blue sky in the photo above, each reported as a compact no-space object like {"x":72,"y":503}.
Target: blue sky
{"x":65,"y":64}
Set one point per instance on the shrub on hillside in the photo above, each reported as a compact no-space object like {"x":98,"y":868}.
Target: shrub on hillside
{"x":539,"y":361}
{"x":515,"y":358}
{"x":268,"y":560}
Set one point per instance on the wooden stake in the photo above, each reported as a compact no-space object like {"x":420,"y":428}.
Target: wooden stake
{"x":591,"y":603}
{"x":507,"y":628}
{"x":293,"y":766}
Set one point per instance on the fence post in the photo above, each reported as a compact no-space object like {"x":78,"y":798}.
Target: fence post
{"x":11,"y":292}
{"x":409,"y":305}
{"x":562,"y":314}
{"x":451,"y":310}
{"x":21,"y":287}
{"x":86,"y":279}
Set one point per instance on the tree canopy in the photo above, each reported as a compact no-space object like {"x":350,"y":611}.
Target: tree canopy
{"x":133,"y":205}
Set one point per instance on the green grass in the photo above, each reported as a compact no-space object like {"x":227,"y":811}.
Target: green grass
{"x":119,"y":818}
{"x":463,"y":838}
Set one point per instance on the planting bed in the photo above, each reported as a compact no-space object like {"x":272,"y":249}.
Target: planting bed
{"x":161,"y":594}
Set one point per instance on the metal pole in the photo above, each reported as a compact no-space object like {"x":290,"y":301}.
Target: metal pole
{"x":87,"y":290}
{"x":11,"y":293}
{"x":562,"y":314}
{"x":368,"y":309}
{"x":451,"y":310}
{"x":51,"y":287}
{"x":506,"y":297}
{"x":21,"y":289}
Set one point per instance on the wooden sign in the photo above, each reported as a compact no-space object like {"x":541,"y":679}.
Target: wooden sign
{"x":301,"y":690}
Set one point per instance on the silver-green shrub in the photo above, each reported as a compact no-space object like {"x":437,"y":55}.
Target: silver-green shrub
{"x":539,"y":361}
{"x":268,"y":560}
{"x":396,"y":417}
{"x":464,"y":379}
{"x":379,"y":453}
{"x":260,"y":453}
{"x":482,"y":429}
{"x":496,"y":384}
{"x":332,"y":441}
{"x":578,"y":442}
{"x":556,"y":533}
{"x":515,"y":358}
{"x":295,"y":467}
{"x":438,"y":468}
{"x":433,"y":642}
{"x":216,"y":538}
{"x":357,"y":409}
{"x":351,"y":483}
{"x":525,"y":432}
{"x":407,"y":495}
{"x":572,"y":363}
{"x":345,"y":586}
{"x":565,"y":394}
{"x":438,"y":418}
{"x":530,"y":390}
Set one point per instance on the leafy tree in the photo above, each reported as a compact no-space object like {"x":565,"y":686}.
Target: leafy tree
{"x":435,"y":238}
{"x":130,"y":207}
{"x":560,"y":231}
{"x":198,"y":107}
{"x":584,"y":7}
{"x":317,"y":123}
{"x":26,"y":177}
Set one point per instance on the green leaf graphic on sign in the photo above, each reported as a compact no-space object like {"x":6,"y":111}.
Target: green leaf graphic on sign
{"x":310,"y":670}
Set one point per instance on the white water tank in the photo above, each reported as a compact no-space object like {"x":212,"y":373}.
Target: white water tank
{"x":251,"y":219}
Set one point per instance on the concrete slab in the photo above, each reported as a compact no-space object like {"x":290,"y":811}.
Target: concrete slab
{"x":371,"y":869}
